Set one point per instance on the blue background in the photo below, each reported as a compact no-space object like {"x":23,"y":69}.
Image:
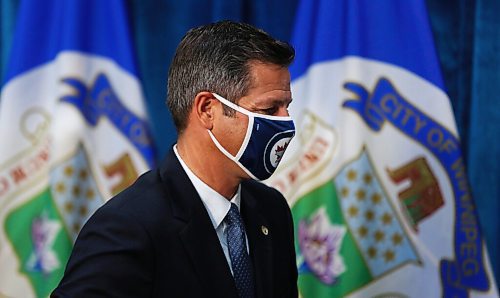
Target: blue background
{"x":466,"y":34}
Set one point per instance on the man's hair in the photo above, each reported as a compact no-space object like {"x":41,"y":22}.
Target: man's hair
{"x":217,"y":58}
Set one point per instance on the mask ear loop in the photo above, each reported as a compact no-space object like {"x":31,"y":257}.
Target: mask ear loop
{"x":243,"y":146}
{"x":222,"y":149}
{"x":228,"y":155}
{"x":247,"y":112}
{"x":231,"y":105}
{"x":248,"y":133}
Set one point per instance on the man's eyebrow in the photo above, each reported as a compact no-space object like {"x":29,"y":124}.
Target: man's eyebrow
{"x":264,"y":104}
{"x":271,"y":104}
{"x":282,"y":100}
{"x":287,"y":100}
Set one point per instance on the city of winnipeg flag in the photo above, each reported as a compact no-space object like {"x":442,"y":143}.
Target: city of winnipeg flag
{"x":375,"y":176}
{"x":73,"y":132}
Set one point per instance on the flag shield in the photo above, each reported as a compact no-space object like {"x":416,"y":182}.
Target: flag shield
{"x":74,"y":133}
{"x":375,"y":177}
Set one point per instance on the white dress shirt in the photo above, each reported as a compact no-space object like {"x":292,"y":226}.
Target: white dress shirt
{"x":216,"y":204}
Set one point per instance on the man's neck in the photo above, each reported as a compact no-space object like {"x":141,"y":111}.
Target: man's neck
{"x":214,"y":169}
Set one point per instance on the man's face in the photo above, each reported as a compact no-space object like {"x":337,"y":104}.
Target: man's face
{"x":269,"y":94}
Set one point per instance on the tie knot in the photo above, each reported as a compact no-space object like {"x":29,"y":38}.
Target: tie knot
{"x":233,"y":216}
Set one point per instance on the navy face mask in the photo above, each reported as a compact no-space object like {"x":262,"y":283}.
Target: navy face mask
{"x":265,"y":142}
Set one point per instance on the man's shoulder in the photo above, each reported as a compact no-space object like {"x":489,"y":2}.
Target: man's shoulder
{"x":144,"y":190}
{"x":266,"y":195}
{"x":145,"y":199}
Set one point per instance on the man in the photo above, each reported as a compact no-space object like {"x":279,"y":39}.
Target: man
{"x":199,"y":226}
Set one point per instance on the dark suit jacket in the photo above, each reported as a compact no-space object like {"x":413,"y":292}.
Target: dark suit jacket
{"x":155,"y":239}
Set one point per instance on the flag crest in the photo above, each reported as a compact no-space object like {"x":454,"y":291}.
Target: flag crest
{"x":375,"y":176}
{"x":74,"y":132}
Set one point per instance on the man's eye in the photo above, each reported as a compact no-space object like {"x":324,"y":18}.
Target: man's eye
{"x":270,"y":111}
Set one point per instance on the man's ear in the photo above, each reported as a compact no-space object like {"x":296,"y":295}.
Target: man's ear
{"x":204,"y":107}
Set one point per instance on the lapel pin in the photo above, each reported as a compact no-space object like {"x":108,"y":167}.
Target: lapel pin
{"x":264,"y":229}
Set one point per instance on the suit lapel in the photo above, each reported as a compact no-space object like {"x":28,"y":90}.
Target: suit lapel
{"x":260,"y":243}
{"x":198,"y":235}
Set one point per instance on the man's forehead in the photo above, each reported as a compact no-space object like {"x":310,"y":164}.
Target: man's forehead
{"x":275,"y":97}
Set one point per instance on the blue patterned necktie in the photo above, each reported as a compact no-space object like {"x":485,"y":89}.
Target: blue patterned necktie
{"x":240,"y":261}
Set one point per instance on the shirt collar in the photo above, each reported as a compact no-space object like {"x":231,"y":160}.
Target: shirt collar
{"x":216,"y":204}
